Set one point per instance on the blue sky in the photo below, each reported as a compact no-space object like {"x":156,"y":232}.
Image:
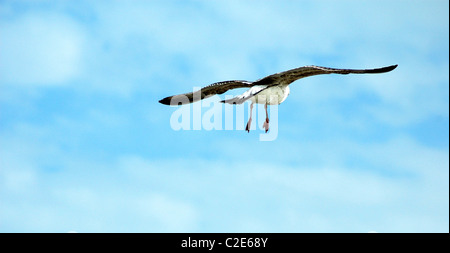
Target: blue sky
{"x":85,"y":146}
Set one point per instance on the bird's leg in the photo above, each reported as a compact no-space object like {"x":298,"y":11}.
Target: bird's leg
{"x":247,"y":128}
{"x":266,"y":123}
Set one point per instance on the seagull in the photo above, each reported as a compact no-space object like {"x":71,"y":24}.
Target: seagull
{"x":270,"y":90}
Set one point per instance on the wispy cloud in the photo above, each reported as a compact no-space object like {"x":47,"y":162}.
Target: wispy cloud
{"x":40,"y":49}
{"x":313,"y":186}
{"x":85,"y":146}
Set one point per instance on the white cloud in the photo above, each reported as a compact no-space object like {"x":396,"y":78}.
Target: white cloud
{"x":40,"y":49}
{"x":170,"y":215}
{"x":17,"y":178}
{"x":234,"y":183}
{"x":243,"y":190}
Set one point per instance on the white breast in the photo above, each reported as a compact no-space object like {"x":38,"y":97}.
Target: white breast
{"x":272,"y":96}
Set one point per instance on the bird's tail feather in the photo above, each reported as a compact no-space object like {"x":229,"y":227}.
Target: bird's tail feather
{"x":235,"y":100}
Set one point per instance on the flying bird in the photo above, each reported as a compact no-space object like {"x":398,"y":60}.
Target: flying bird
{"x":270,"y":90}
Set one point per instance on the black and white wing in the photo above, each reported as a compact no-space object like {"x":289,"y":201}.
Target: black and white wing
{"x":282,"y":78}
{"x":205,"y":92}
{"x":289,"y":76}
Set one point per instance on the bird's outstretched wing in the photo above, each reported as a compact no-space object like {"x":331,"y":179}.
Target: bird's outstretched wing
{"x":210,"y":90}
{"x":282,"y":78}
{"x":289,"y":76}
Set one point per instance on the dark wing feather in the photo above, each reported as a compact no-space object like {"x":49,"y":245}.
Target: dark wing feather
{"x":210,"y":90}
{"x":287,"y":77}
